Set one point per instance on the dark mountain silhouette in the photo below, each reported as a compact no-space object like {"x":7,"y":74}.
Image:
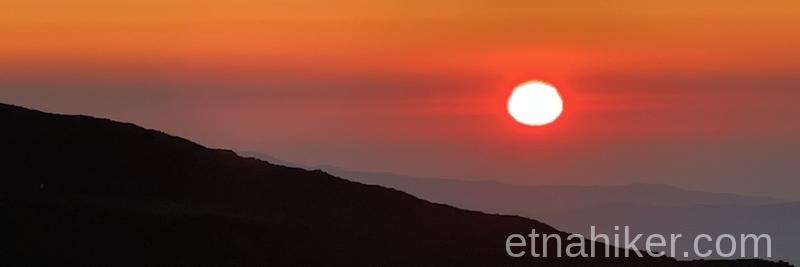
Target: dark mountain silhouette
{"x":82,"y":191}
{"x":517,"y":199}
{"x":647,"y":208}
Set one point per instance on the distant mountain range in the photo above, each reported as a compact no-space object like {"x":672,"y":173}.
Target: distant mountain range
{"x":81,"y":191}
{"x":646,"y":208}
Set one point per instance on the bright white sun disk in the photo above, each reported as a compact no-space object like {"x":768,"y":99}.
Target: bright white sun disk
{"x":535,"y":103}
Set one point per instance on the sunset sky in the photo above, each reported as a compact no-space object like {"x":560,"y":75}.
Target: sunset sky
{"x":697,"y":94}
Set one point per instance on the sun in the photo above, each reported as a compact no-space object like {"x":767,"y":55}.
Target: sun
{"x":535,"y":103}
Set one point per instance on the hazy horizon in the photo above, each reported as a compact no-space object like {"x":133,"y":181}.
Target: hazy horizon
{"x":438,"y":132}
{"x":698,"y":95}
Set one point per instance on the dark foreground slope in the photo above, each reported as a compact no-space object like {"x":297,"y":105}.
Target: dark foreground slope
{"x":81,"y":191}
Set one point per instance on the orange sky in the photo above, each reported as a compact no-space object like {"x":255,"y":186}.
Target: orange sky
{"x":418,"y":87}
{"x":617,"y":33}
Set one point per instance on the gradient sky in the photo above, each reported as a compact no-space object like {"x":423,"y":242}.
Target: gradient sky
{"x":698,"y":94}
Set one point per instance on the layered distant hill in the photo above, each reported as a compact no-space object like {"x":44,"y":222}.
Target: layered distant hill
{"x":647,"y":208}
{"x":525,"y":199}
{"x":80,"y":191}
